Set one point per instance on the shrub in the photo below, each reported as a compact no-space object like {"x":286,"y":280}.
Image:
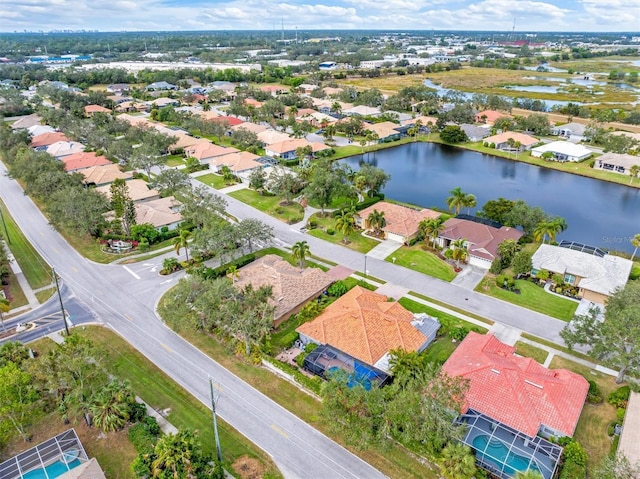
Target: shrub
{"x":501,"y":280}
{"x":337,"y":289}
{"x":558,"y":279}
{"x":310,"y":347}
{"x":331,"y":231}
{"x":459,"y":333}
{"x":290,"y":338}
{"x":143,"y":246}
{"x":620,"y":412}
{"x":619,"y":397}
{"x":496,"y":266}
{"x":312,"y":224}
{"x":213,"y":273}
{"x":573,"y":452}
{"x":144,"y":435}
{"x":594,"y":396}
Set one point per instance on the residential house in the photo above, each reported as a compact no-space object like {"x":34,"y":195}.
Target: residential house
{"x":60,"y":149}
{"x":139,"y":191}
{"x":292,"y":288}
{"x":307,"y":88}
{"x":362,"y":110}
{"x":160,"y":213}
{"x":489,"y":117}
{"x":366,"y":326}
{"x":386,"y":131}
{"x":230,"y":121}
{"x":269,"y":136}
{"x":83,"y":160}
{"x":205,"y":151}
{"x":161,"y":85}
{"x":252,"y":127}
{"x":26,"y":122}
{"x":474,"y":133}
{"x":183,"y":140}
{"x":428,"y":122}
{"x":164,"y":101}
{"x":505,"y":141}
{"x":482,"y":237}
{"x":228,"y":87}
{"x":91,"y":110}
{"x":118,"y":99}
{"x":332,"y":91}
{"x":61,"y":456}
{"x":617,"y":162}
{"x":274,"y":90}
{"x":135,"y":120}
{"x":594,"y":272}
{"x":252,"y":102}
{"x":104,"y":175}
{"x":131,"y":107}
{"x":316,"y":118}
{"x":512,"y":404}
{"x":629,"y":445}
{"x":562,"y":151}
{"x":118,"y":88}
{"x":36,"y":130}
{"x":43,"y":140}
{"x":287,"y":149}
{"x":238,"y":162}
{"x":401,"y":222}
{"x":572,"y":131}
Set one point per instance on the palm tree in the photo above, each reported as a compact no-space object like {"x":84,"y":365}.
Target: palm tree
{"x":345,"y":223}
{"x":300,"y":251}
{"x":376,"y":221}
{"x":469,"y":202}
{"x":182,"y":241}
{"x":233,"y":273}
{"x":460,"y":252}
{"x":457,"y":200}
{"x":110,"y":407}
{"x":528,"y":474}
{"x":431,"y":228}
{"x":458,"y":461}
{"x":635,"y":242}
{"x":227,"y":174}
{"x":336,"y":107}
{"x":173,"y":455}
{"x":416,"y":127}
{"x":549,"y":229}
{"x":634,"y":170}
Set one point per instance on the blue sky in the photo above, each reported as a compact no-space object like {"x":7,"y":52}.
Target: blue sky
{"x":116,"y":15}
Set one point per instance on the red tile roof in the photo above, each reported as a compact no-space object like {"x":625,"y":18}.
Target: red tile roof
{"x":80,"y":161}
{"x":365,"y":325}
{"x":96,"y":109}
{"x":490,"y":116}
{"x":483,"y":240}
{"x":46,"y":139}
{"x":518,"y":392}
{"x":399,"y":219}
{"x":229,"y":120}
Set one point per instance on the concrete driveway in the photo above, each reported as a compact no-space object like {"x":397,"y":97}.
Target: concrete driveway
{"x":469,"y":277}
{"x":384,"y":249}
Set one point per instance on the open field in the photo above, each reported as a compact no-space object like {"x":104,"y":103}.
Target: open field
{"x":417,"y":259}
{"x":213,"y":180}
{"x":528,"y":351}
{"x":599,"y":64}
{"x":532,"y":297}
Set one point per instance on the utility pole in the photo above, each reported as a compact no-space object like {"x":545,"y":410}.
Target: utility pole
{"x":214,"y":399}
{"x":64,"y":314}
{"x":6,"y":232}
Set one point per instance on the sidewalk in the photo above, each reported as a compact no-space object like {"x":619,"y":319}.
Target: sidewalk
{"x":22,"y":281}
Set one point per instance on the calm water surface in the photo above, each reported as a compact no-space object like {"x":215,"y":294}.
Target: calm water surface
{"x":598,"y":213}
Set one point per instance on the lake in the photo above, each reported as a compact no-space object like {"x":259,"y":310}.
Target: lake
{"x":598,"y":213}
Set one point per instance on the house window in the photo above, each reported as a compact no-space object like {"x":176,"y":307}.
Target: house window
{"x":534,"y":271}
{"x":569,"y":278}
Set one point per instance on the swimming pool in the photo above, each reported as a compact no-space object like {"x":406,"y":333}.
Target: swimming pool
{"x":68,"y":461}
{"x":498,"y":452}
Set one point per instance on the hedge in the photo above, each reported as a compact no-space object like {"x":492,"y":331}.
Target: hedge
{"x":222,"y":270}
{"x":361,"y":205}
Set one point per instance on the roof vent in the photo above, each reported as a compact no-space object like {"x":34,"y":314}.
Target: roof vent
{"x":280,"y":298}
{"x":495,"y":371}
{"x":533,"y":384}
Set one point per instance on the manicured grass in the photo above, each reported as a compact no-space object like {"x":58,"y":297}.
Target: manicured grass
{"x":160,"y":392}
{"x":290,"y":214}
{"x":559,"y":347}
{"x":528,"y":351}
{"x":453,"y":308}
{"x":591,"y":431}
{"x":213,"y":180}
{"x":16,"y":296}
{"x":417,"y":259}
{"x":393,"y":460}
{"x":356,"y":240}
{"x":45,"y":294}
{"x":35,"y":268}
{"x":533,"y":297}
{"x":174,"y":160}
{"x":447,"y":320}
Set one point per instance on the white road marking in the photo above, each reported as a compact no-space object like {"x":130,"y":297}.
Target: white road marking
{"x":167,"y":281}
{"x":132,"y":273}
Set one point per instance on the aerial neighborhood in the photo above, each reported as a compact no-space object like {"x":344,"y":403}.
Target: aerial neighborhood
{"x":350,"y":249}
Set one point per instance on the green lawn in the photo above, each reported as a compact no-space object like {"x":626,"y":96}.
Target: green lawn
{"x":174,"y":160}
{"x":356,"y":240}
{"x":453,"y":308}
{"x":292,"y":213}
{"x":35,"y":269}
{"x":533,"y":297}
{"x":16,"y":296}
{"x":416,"y":258}
{"x":528,"y":351}
{"x":213,"y":180}
{"x":160,"y":392}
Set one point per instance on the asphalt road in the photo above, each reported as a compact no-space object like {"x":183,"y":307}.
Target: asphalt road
{"x":124,"y":298}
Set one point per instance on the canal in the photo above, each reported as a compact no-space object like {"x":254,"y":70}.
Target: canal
{"x":598,"y":213}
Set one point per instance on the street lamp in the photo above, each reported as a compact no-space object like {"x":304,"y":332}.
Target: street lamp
{"x":214,"y":400}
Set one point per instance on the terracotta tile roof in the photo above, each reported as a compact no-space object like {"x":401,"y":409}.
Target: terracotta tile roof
{"x":101,"y":175}
{"x":96,"y":109}
{"x":293,"y":144}
{"x":252,"y":127}
{"x":238,"y":162}
{"x":46,"y":139}
{"x":138,"y":191}
{"x":365,"y":325}
{"x":80,"y":161}
{"x":134,"y":120}
{"x":158,"y":212}
{"x":525,"y":140}
{"x":291,"y":287}
{"x":252,"y":102}
{"x":400,"y":220}
{"x":424,"y":119}
{"x":490,"y":116}
{"x":483,"y":240}
{"x":203,"y":150}
{"x":384,"y":129}
{"x":518,"y":392}
{"x":229,"y":120}
{"x":208,"y":115}
{"x":270,"y":137}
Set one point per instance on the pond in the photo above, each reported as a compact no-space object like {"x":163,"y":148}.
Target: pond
{"x":598,"y":213}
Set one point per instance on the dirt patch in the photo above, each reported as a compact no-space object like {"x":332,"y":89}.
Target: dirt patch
{"x":248,"y":468}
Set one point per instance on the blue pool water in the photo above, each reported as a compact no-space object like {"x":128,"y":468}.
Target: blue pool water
{"x":498,"y":452}
{"x":53,"y":470}
{"x":354,"y":379}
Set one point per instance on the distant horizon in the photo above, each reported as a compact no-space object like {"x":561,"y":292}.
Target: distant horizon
{"x":120,"y":16}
